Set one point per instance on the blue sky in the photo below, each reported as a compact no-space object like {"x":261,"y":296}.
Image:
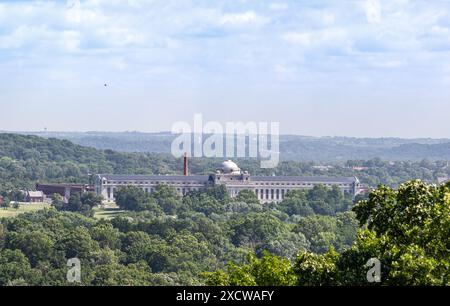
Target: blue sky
{"x":323,"y":68}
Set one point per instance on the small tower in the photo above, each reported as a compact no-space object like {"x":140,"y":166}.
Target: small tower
{"x":185,"y":168}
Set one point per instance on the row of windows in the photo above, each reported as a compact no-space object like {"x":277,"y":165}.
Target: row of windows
{"x":272,"y":194}
{"x":302,"y":184}
{"x":151,"y":183}
{"x":196,"y":183}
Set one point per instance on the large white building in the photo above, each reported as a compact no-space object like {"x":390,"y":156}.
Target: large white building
{"x":266,"y":188}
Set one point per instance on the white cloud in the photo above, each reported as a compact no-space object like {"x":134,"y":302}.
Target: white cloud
{"x":304,"y":39}
{"x":327,"y":36}
{"x":141,"y":43}
{"x":238,"y":19}
{"x":73,"y":4}
{"x":328,"y":18}
{"x":373,"y":11}
{"x":24,"y":35}
{"x":391,"y":64}
{"x":278,"y":6}
{"x":77,"y":14}
{"x":210,"y":35}
{"x":71,"y":40}
{"x":117,"y":36}
{"x":438,"y":30}
{"x":284,"y":73}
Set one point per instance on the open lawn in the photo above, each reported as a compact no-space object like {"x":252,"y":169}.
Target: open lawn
{"x":24,"y":207}
{"x":108,"y":211}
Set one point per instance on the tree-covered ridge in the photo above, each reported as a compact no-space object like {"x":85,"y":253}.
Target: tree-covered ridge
{"x":24,"y":160}
{"x":292,"y":147}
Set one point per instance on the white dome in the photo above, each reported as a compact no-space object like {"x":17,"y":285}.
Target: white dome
{"x":229,"y":166}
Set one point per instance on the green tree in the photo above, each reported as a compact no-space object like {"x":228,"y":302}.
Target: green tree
{"x":167,"y":198}
{"x":220,"y":193}
{"x":74,"y":203}
{"x":408,"y":232}
{"x":295,"y":203}
{"x":6,"y":203}
{"x":14,"y":267}
{"x":137,"y":274}
{"x":57,"y":201}
{"x":131,"y":198}
{"x":106,"y":235}
{"x":255,"y":229}
{"x":317,"y":270}
{"x":91,"y":199}
{"x":247,"y":196}
{"x":36,"y":245}
{"x":286,"y":245}
{"x":204,"y":203}
{"x":269,"y":270}
{"x":77,"y":243}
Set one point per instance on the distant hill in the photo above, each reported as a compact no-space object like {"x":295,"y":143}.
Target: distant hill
{"x":292,"y":147}
{"x":27,"y":159}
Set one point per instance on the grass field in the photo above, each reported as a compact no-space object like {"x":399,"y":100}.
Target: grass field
{"x":107,"y":212}
{"x":24,"y":207}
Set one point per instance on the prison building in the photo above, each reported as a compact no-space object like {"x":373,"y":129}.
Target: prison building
{"x":266,"y":188}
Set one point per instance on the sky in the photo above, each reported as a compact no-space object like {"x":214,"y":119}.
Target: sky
{"x":358,"y":68}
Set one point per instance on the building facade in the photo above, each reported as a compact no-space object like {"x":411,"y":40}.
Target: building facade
{"x":266,"y":188}
{"x":34,"y":196}
{"x":64,"y":190}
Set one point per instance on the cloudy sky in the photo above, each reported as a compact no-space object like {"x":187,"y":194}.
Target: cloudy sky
{"x":319,"y":67}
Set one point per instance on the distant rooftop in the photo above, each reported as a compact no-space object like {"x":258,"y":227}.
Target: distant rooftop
{"x":61,"y":185}
{"x":315,"y":179}
{"x":138,"y":177}
{"x":35,"y":194}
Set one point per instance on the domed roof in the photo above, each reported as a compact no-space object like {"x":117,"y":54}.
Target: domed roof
{"x":230,"y":166}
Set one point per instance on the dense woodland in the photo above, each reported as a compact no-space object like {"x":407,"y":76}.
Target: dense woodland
{"x":167,"y":240}
{"x":314,"y":237}
{"x":207,"y":238}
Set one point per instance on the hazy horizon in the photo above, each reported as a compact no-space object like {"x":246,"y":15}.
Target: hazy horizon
{"x":366,"y":69}
{"x":169,"y":132}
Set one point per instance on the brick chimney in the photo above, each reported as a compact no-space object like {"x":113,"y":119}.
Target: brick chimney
{"x":186,"y":171}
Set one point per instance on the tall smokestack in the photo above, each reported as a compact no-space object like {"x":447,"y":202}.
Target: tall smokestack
{"x":185,"y":172}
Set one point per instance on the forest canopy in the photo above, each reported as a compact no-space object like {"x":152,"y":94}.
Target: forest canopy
{"x":313,"y":237}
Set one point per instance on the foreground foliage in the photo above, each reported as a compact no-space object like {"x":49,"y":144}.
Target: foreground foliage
{"x":310,"y":238}
{"x":235,"y":243}
{"x":164,"y":239}
{"x":407,"y":230}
